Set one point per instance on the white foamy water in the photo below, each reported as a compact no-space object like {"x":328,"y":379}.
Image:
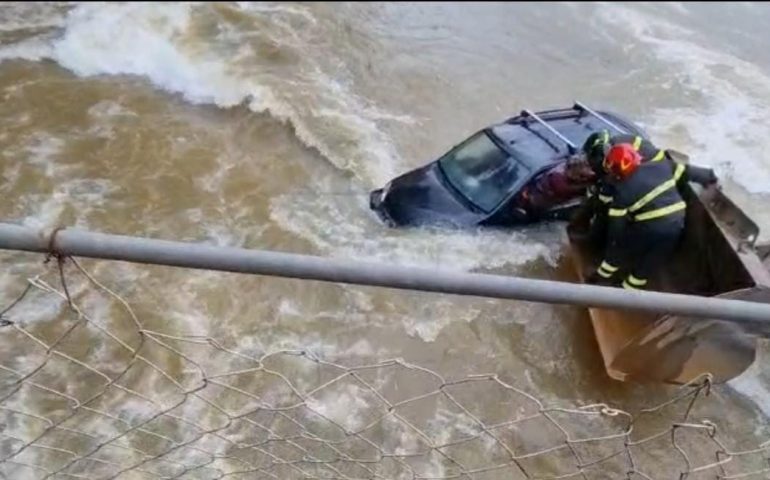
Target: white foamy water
{"x":349,"y":81}
{"x":725,"y":127}
{"x":33,"y":50}
{"x":753,"y":383}
{"x":347,"y":405}
{"x":356,"y":234}
{"x":139,"y":39}
{"x":160,"y":42}
{"x":32,"y":15}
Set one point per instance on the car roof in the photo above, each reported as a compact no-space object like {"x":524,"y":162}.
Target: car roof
{"x":534,"y":144}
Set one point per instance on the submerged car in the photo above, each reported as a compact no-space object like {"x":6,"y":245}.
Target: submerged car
{"x":511,"y":173}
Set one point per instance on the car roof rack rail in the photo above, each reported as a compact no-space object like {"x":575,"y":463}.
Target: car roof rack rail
{"x":570,"y":146}
{"x":582,"y":108}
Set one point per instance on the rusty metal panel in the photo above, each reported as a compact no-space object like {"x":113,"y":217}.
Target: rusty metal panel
{"x":716,"y":257}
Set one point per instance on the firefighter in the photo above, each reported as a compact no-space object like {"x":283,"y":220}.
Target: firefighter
{"x":590,"y":220}
{"x":598,"y":144}
{"x":645,"y":214}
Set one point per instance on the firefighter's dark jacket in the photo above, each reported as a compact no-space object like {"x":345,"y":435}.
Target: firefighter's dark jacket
{"x":649,"y":199}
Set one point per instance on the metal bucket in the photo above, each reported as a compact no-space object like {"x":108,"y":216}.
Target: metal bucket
{"x":716,"y":257}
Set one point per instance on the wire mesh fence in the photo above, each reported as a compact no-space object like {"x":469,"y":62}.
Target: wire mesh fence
{"x":87,"y":391}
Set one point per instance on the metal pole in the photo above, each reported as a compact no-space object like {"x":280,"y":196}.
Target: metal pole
{"x":179,"y":254}
{"x":580,"y":106}
{"x":572,"y":148}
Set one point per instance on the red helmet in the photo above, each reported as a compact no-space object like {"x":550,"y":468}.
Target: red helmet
{"x":622,"y":160}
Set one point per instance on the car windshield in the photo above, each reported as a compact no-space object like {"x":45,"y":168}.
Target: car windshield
{"x":482,"y":172}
